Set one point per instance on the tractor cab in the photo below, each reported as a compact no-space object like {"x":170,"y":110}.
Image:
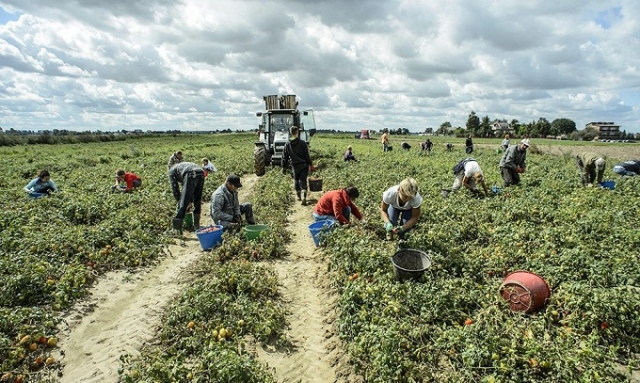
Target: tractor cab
{"x":273,"y":131}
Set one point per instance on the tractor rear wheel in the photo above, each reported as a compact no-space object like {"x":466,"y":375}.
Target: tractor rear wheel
{"x":259,"y":164}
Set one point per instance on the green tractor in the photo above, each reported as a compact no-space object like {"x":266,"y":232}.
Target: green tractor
{"x":273,"y":133}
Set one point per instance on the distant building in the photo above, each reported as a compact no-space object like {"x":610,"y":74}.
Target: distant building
{"x":606,"y":130}
{"x":500,"y":128}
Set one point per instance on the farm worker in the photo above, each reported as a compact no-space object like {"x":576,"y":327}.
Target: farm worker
{"x":513,"y":162}
{"x":338,"y":205}
{"x":191,"y":176}
{"x":505,"y":142}
{"x":348,"y":155}
{"x":591,"y":167}
{"x":628,"y":168}
{"x":226,"y":209}
{"x":427,"y":145}
{"x":41,"y":184}
{"x":133,"y":181}
{"x":468,"y":175}
{"x":401,"y":202}
{"x":468,"y":145}
{"x":385,"y":142}
{"x":296,"y":156}
{"x":208,"y":167}
{"x":175,"y":158}
{"x":449,"y":147}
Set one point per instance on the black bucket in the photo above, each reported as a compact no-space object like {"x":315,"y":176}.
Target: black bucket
{"x":410,"y":264}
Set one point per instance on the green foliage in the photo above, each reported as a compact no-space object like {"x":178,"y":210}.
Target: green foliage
{"x":581,"y":240}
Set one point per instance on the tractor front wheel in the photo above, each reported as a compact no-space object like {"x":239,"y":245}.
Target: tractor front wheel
{"x":259,"y":163}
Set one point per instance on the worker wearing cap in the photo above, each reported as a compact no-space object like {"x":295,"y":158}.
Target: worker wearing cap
{"x":514,"y":162}
{"x":191,"y":176}
{"x":226,"y":209}
{"x":591,"y":167}
{"x":628,"y":168}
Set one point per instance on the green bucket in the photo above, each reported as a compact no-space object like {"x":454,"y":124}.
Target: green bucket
{"x":253,"y":231}
{"x":187,"y":223}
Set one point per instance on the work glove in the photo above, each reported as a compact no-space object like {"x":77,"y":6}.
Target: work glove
{"x":398,"y":230}
{"x":519,"y":170}
{"x":388,"y":226}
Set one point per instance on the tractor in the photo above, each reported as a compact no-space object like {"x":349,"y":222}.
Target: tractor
{"x":273,"y":132}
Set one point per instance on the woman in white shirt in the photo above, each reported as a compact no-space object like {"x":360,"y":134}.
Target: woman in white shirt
{"x":401,"y":203}
{"x":505,"y":142}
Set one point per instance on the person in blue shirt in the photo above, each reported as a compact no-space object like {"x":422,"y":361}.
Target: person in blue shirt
{"x":42,"y":184}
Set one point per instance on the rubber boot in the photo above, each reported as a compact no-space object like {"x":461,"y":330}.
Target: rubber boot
{"x":196,"y":222}
{"x":177,"y":225}
{"x":298,"y":194}
{"x":304,"y":198}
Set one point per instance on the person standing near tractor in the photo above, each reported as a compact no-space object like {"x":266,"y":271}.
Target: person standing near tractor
{"x":591,"y":168}
{"x":401,"y":203}
{"x":513,"y":162}
{"x":191,"y":176}
{"x":385,"y":141}
{"x":175,"y":158}
{"x":296,"y":157}
{"x":338,"y":205}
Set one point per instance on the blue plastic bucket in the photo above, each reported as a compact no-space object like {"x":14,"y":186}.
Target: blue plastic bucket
{"x":317,"y":227}
{"x":495,"y":189}
{"x":209,"y":236}
{"x":608,"y":184}
{"x":35,"y":195}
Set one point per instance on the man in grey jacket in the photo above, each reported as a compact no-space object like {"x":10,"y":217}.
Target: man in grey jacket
{"x":191,"y":176}
{"x":513,"y":163}
{"x":226,"y":210}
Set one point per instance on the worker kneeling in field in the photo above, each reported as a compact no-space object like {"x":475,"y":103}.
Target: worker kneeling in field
{"x":226,"y":209}
{"x":628,"y":168}
{"x":401,"y":203}
{"x":41,"y":184}
{"x":338,"y":205}
{"x":513,"y":163}
{"x":591,"y":168}
{"x":191,"y":176}
{"x":468,"y":174}
{"x":132,"y":180}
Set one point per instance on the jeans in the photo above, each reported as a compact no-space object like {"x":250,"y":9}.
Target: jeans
{"x":346,"y":212}
{"x":402,"y":215}
{"x":191,"y":192}
{"x":622,"y":171}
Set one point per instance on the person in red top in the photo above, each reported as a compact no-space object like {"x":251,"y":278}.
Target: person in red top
{"x":133,"y":181}
{"x":338,"y":205}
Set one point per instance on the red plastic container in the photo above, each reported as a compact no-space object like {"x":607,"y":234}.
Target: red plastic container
{"x":525,"y":291}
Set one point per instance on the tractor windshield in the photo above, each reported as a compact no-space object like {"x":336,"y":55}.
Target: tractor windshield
{"x":281,"y":123}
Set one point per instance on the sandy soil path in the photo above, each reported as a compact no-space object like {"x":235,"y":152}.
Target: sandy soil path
{"x":317,"y":355}
{"x":124,"y":311}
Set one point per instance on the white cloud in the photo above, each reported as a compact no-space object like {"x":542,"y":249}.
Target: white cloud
{"x":197,"y":64}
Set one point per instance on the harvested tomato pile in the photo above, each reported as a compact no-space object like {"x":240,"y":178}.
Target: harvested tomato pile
{"x":209,"y":229}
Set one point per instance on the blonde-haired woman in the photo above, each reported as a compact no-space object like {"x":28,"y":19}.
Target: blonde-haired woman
{"x":400,"y":208}
{"x":469,"y":176}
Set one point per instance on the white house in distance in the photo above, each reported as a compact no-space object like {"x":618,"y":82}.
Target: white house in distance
{"x":500,"y":128}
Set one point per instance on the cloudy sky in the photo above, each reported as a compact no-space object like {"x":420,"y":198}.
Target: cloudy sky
{"x":205,"y":64}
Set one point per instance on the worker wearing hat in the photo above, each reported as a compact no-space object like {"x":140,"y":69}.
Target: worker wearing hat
{"x":226,"y":209}
{"x":514,"y":162}
{"x":591,"y":168}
